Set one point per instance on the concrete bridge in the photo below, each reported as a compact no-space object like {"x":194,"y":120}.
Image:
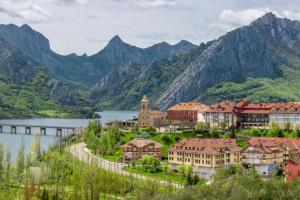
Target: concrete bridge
{"x":61,"y":131}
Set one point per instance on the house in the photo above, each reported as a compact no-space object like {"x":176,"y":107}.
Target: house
{"x":266,"y":156}
{"x":150,"y":117}
{"x":292,"y":170}
{"x":138,"y":147}
{"x":222,"y":114}
{"x":187,"y":113}
{"x":205,"y":155}
{"x":122,"y":124}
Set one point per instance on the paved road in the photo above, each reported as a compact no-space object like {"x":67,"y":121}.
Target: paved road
{"x":82,"y":153}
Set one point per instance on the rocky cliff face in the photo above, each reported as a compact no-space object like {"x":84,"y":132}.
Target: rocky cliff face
{"x":15,"y":66}
{"x":232,"y":58}
{"x":24,"y":38}
{"x":257,"y":51}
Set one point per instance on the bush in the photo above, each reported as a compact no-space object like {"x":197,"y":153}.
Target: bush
{"x":166,"y":139}
{"x":177,"y":138}
{"x":150,"y":163}
{"x":149,"y":129}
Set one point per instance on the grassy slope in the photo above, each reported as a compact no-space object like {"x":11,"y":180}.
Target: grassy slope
{"x":27,"y":101}
{"x":285,"y":88}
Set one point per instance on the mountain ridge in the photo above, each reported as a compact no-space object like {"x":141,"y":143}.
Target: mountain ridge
{"x":220,"y":69}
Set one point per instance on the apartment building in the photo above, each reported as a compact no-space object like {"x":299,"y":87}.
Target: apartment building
{"x":286,"y":113}
{"x":186,"y":113}
{"x":265,"y":155}
{"x":222,"y":114}
{"x":247,"y":115}
{"x":204,"y":155}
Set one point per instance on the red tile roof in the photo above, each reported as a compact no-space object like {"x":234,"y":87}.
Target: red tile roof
{"x":252,"y":108}
{"x":292,"y":144}
{"x":191,"y":106}
{"x":224,"y":106}
{"x":291,"y":107}
{"x":207,"y":146}
{"x":155,"y":112}
{"x":140,"y":143}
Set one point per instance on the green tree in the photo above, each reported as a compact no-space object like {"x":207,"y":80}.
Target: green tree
{"x":274,"y":130}
{"x":223,"y":126}
{"x":166,"y":139}
{"x":149,"y":129}
{"x":200,"y":126}
{"x":150,"y":163}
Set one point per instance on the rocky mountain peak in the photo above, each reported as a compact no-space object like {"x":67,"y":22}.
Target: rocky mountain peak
{"x":267,"y":19}
{"x":280,"y":29}
{"x":115,"y":42}
{"x":30,"y":42}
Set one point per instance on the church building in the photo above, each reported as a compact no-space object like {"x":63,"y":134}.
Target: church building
{"x":149,"y":117}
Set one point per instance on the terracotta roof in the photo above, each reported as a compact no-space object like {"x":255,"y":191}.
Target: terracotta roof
{"x":291,"y":107}
{"x":140,"y":143}
{"x":224,"y":106}
{"x":155,"y":112}
{"x":252,"y":108}
{"x":264,"y":147}
{"x":207,"y":146}
{"x":190,"y":106}
{"x":292,"y":144}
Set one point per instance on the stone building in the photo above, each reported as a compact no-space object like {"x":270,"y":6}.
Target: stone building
{"x":149,"y":117}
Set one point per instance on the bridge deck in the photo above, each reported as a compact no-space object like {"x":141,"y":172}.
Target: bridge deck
{"x":41,"y":126}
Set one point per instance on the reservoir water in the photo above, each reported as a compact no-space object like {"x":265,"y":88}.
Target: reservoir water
{"x":13,"y":141}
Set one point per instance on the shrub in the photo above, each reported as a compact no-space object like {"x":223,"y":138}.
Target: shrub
{"x":166,"y":139}
{"x":150,"y":163}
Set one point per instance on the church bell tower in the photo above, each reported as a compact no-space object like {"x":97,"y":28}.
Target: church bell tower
{"x":144,"y":103}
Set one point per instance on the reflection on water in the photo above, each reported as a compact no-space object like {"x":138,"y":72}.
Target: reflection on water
{"x":13,"y":141}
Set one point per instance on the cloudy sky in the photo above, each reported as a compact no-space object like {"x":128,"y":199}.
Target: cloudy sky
{"x":87,"y":25}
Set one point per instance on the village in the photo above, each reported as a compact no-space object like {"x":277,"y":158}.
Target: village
{"x":268,"y":156}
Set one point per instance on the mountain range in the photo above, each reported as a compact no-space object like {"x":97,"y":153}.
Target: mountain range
{"x":260,"y":62}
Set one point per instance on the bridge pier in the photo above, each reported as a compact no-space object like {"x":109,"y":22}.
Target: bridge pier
{"x":43,"y":131}
{"x":13,"y":129}
{"x":59,"y":132}
{"x":1,"y":129}
{"x":28,"y":130}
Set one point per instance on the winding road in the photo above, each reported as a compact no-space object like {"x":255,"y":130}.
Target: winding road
{"x":80,"y":152}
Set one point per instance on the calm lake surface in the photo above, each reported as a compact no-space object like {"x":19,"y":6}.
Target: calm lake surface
{"x":13,"y":141}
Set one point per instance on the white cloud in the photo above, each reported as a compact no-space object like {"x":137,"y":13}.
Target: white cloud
{"x":241,"y":17}
{"x":155,"y":3}
{"x":26,"y":9}
{"x":33,"y":11}
{"x":68,"y":2}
